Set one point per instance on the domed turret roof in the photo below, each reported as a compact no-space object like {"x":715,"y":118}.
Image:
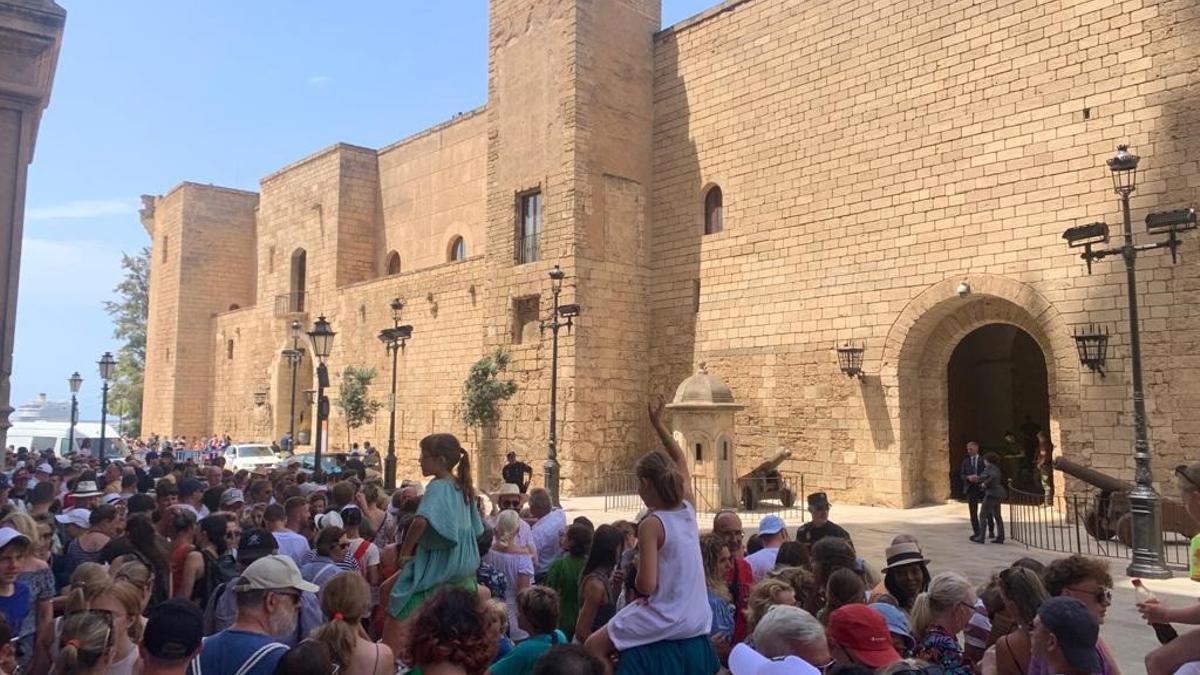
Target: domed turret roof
{"x":703,"y":389}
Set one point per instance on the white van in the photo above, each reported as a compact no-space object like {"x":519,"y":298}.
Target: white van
{"x":39,"y":435}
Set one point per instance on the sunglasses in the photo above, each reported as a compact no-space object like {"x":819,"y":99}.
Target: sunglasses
{"x":1181,"y":471}
{"x":1102,"y":595}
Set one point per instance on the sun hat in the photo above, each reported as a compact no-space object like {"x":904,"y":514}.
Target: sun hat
{"x":743,"y":660}
{"x":8,"y":535}
{"x":508,"y":490}
{"x":771,"y":524}
{"x":111,"y":498}
{"x":897,"y":622}
{"x":273,"y":572}
{"x":77,"y":517}
{"x":173,"y":630}
{"x":86,"y":488}
{"x":899,"y":555}
{"x":863,"y":633}
{"x":1076,"y":630}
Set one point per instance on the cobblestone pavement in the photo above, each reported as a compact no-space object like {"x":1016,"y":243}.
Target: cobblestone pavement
{"x":943,"y":531}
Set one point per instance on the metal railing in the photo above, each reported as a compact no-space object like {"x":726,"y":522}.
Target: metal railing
{"x":1082,"y":523}
{"x":289,"y":303}
{"x":782,"y":496}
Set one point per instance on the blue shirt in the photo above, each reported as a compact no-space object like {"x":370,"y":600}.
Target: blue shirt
{"x":229,"y":651}
{"x":722,"y":612}
{"x":523,"y":657}
{"x":16,"y":606}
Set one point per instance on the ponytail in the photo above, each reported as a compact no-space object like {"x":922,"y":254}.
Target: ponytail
{"x":946,"y":591}
{"x":922,"y":615}
{"x":448,"y":449}
{"x":464,"y":476}
{"x":86,"y":638}
{"x":347,"y":600}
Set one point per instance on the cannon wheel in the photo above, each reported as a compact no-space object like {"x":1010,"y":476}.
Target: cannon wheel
{"x":1097,"y":526}
{"x":1125,"y":529}
{"x":749,"y":498}
{"x":787,"y":498}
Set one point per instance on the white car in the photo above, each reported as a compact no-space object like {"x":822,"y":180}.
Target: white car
{"x":249,"y":456}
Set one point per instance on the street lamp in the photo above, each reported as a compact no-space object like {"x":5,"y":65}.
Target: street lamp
{"x":74,"y":382}
{"x":393,"y":339}
{"x":567,"y":312}
{"x":293,"y":355}
{"x":322,"y":341}
{"x":1143,"y":500}
{"x":107,"y":364}
{"x":850,"y":359}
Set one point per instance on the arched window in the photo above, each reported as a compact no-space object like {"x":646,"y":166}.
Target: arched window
{"x":458,"y":249}
{"x":714,"y":207}
{"x":393,"y":263}
{"x":299,"y":279}
{"x":229,"y":349}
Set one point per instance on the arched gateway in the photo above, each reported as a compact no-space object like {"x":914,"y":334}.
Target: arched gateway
{"x":916,"y":372}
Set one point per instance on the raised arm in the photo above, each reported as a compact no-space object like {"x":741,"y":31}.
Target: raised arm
{"x":671,"y":446}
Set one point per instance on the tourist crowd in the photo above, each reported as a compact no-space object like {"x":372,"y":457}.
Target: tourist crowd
{"x":154,"y":565}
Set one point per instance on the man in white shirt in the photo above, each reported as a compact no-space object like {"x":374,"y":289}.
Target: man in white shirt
{"x":548,"y":526}
{"x":361,"y":551}
{"x":290,"y":543}
{"x":772,"y":532}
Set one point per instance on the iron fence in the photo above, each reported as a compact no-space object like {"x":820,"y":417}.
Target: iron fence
{"x":1094,"y":524}
{"x":782,"y":496}
{"x":289,"y":303}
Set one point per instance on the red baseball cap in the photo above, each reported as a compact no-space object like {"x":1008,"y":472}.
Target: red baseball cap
{"x":863,"y":633}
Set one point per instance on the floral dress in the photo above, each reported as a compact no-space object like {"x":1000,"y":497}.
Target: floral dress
{"x":941,"y":648}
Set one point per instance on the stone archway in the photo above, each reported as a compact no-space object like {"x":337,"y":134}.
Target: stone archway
{"x":916,"y":359}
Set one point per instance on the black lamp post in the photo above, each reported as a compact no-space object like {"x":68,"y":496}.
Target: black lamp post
{"x":567,"y":312}
{"x":74,"y":382}
{"x":293,"y":356}
{"x":322,"y":341}
{"x":107,"y":364}
{"x":1092,"y":344}
{"x":850,"y":359}
{"x":1143,"y":500}
{"x":393,"y":339}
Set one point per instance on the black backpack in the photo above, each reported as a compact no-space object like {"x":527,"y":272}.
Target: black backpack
{"x":218,"y":571}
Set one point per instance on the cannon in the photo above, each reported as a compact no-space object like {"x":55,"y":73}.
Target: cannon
{"x":765,"y":482}
{"x":1109,"y":514}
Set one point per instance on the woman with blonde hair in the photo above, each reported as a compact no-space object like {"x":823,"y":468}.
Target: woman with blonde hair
{"x":939,"y":615}
{"x":86,"y":645}
{"x":514,"y":562}
{"x":346,"y":599}
{"x":140,"y":577}
{"x":717,"y":562}
{"x":765,"y":595}
{"x":1023,"y":593}
{"x":122,"y":601}
{"x":36,"y":634}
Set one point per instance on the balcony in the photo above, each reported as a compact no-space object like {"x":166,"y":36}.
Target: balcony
{"x":529,"y":248}
{"x":289,"y":304}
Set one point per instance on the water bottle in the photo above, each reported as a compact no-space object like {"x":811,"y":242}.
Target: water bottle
{"x":1163,"y":631}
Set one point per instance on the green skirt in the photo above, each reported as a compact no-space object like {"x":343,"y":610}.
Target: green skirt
{"x":416,"y":600}
{"x":693,"y":656}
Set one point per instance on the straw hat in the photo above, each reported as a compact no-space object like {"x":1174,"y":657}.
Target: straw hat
{"x":908,"y":553}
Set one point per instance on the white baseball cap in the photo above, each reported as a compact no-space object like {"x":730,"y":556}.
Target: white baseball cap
{"x":8,"y":535}
{"x":77,"y":517}
{"x":743,"y":660}
{"x":44,"y":468}
{"x":274,"y":572}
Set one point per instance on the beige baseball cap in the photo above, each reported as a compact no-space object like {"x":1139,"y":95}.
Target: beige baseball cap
{"x":272,"y":573}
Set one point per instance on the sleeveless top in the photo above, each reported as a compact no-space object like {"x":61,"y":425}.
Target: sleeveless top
{"x":608,"y":608}
{"x":678,"y":609}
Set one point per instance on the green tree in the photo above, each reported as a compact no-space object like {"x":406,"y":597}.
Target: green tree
{"x":354,"y":400}
{"x":483,"y":390}
{"x":129,"y":313}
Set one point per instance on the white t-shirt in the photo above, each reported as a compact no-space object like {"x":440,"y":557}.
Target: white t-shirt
{"x":293,"y":545}
{"x":369,"y":558}
{"x":762,"y":561}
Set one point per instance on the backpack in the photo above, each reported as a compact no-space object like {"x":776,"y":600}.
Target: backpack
{"x":218,"y":571}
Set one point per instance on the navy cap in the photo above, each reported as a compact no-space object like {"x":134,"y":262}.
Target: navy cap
{"x":1076,"y":630}
{"x":174,"y":630}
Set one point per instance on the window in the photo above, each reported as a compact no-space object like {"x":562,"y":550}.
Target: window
{"x":458,"y":250}
{"x":393,"y":263}
{"x":699,"y":452}
{"x":299,"y":279}
{"x":229,"y":349}
{"x":724,"y":451}
{"x":166,"y":246}
{"x":714,"y":207}
{"x":526,"y":325}
{"x":529,"y":227}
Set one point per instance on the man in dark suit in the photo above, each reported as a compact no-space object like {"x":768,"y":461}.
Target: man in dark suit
{"x":971,"y":472}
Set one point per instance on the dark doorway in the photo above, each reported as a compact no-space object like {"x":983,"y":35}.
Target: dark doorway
{"x":997,"y":383}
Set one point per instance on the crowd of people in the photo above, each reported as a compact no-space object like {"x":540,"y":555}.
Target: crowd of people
{"x":152,"y":565}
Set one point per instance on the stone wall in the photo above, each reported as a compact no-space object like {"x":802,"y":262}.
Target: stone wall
{"x":870,"y":153}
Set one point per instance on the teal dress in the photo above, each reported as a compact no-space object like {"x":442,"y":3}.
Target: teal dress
{"x":446,"y":553}
{"x":525,"y":655}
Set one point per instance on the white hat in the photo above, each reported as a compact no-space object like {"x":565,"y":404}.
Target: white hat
{"x":743,"y":660}
{"x":86,"y":488}
{"x":8,"y":535}
{"x":44,"y":468}
{"x":273,"y":572}
{"x":76,"y":517}
{"x":112,"y":498}
{"x":331,"y":519}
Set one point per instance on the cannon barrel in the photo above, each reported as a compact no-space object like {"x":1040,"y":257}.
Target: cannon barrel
{"x":1092,"y":477}
{"x":770,"y":464}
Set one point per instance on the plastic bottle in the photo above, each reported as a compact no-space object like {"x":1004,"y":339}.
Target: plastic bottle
{"x":1163,"y":631}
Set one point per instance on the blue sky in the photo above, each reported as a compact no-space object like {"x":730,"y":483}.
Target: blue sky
{"x":152,"y":92}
